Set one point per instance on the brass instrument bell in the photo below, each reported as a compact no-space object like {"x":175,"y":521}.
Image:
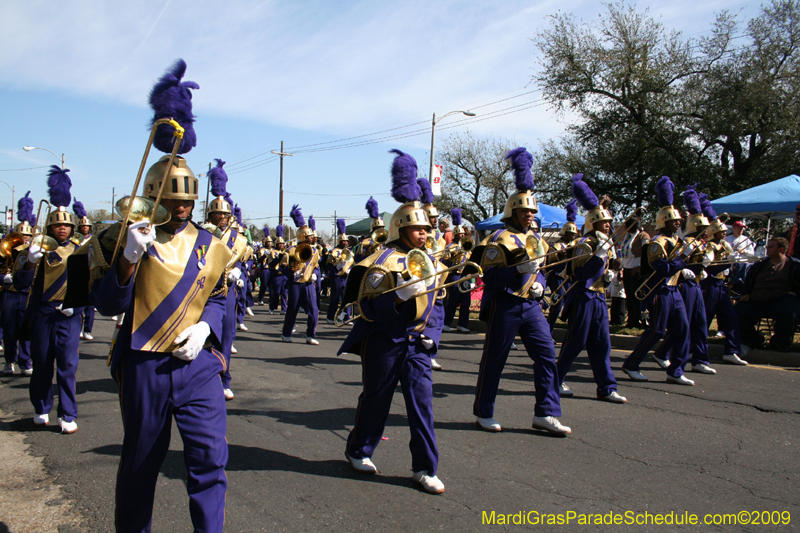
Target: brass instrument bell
{"x":380,"y":235}
{"x":9,"y":242}
{"x":432,"y":244}
{"x":142,"y":208}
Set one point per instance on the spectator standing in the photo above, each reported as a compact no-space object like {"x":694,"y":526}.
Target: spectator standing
{"x":631,"y":256}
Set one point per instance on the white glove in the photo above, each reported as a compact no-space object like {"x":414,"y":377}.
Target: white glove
{"x":195,"y":337}
{"x":8,"y":278}
{"x":138,"y":242}
{"x":708,"y":259}
{"x":608,"y":275}
{"x":240,"y":283}
{"x":603,"y":246}
{"x":427,"y":343}
{"x":688,"y":274}
{"x":298,"y":274}
{"x":34,"y":253}
{"x":313,"y":277}
{"x":537,"y":290}
{"x":531,"y":267}
{"x":234,"y":274}
{"x":468,"y":285}
{"x":703,"y":274}
{"x":67,"y":312}
{"x":691,"y":247}
{"x":340,"y":266}
{"x":726,"y":272}
{"x":409,"y":289}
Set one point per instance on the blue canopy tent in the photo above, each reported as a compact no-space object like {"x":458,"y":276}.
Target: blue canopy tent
{"x":548,"y":216}
{"x":777,"y":199}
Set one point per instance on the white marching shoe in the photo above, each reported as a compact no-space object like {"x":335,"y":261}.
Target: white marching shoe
{"x":615,"y":397}
{"x":233,"y":349}
{"x":635,"y":375}
{"x":435,"y":365}
{"x":249,"y":312}
{"x":733,"y":359}
{"x":228,"y":394}
{"x":88,"y":336}
{"x":363,"y":465}
{"x":8,"y":370}
{"x":663,"y":363}
{"x":312,"y":341}
{"x":41,"y":420}
{"x":551,"y":424}
{"x":242,"y":327}
{"x":67,"y":427}
{"x":703,"y":368}
{"x":489,"y":424}
{"x":430,"y":484}
{"x":682,"y":380}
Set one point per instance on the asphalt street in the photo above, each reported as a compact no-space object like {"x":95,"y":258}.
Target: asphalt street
{"x":727,"y":445}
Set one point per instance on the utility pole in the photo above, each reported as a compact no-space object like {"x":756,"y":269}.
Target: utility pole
{"x":113,"y":198}
{"x":280,"y":210}
{"x":208,"y":189}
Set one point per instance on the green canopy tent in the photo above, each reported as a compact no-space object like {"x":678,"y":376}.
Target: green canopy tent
{"x":362,"y":226}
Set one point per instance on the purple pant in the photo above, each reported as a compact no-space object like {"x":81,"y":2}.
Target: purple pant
{"x":698,"y":325}
{"x":228,"y":335}
{"x":265,"y":276}
{"x":507,"y":316}
{"x":307,"y":293}
{"x":718,"y":303}
{"x":277,"y":292}
{"x":456,"y":298}
{"x":338,"y":284}
{"x":667,"y":316}
{"x":383,"y":365}
{"x":13,"y":314}
{"x":154,"y":388}
{"x":588,"y":326}
{"x":54,"y":342}
{"x":88,"y":319}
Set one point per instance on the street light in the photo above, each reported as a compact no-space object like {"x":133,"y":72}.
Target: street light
{"x":433,"y":134}
{"x":29,"y":148}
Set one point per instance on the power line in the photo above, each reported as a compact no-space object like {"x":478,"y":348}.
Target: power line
{"x":21,"y":169}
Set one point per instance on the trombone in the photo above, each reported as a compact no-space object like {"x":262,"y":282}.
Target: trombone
{"x":44,"y":242}
{"x":301,"y":255}
{"x":7,"y":245}
{"x":644,"y":290}
{"x":135,"y":209}
{"x":379,"y":235}
{"x":420,"y":266}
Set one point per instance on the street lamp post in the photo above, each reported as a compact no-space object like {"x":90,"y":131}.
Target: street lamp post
{"x":433,"y":134}
{"x":29,"y":148}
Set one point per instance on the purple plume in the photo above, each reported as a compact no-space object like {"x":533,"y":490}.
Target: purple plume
{"x":372,"y":208}
{"x":25,"y":209}
{"x":691,"y":200}
{"x":572,"y":210}
{"x":237,"y":212}
{"x":455,"y":214}
{"x":312,"y":224}
{"x":664,"y":189}
{"x":708,"y":210}
{"x":266,"y":231}
{"x":218,"y":178}
{"x":404,"y":178}
{"x":427,"y":193}
{"x":297,"y":216}
{"x":521,"y":163}
{"x":279,"y":231}
{"x":583,"y":193}
{"x":341,"y":226}
{"x":60,"y":186}
{"x":171,"y":98}
{"x":78,"y":209}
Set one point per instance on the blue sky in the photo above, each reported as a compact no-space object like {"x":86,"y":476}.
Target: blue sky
{"x":75,"y":76}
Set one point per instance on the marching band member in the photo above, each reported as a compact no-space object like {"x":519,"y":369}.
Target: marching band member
{"x":55,"y":331}
{"x":557,"y":280}
{"x":510,"y":306}
{"x":14,"y":301}
{"x":263,"y":257}
{"x":220,"y":216}
{"x":240,"y":284}
{"x":455,"y":254}
{"x":302,"y":280}
{"x":377,"y":230}
{"x":82,"y":235}
{"x":694,"y":231}
{"x":313,"y":241}
{"x":716,"y":297}
{"x":585,"y":302}
{"x":340,"y":260}
{"x":666,"y":258}
{"x":278,"y":265}
{"x":170,"y":283}
{"x":393,"y":338}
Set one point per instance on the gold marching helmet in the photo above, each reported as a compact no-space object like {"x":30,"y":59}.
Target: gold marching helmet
{"x":60,"y":196}
{"x":25,"y":215}
{"x":572,"y":215}
{"x":24,"y":228}
{"x":303,"y":231}
{"x":406,"y":189}
{"x":521,"y":163}
{"x":664,"y":197}
{"x":181,"y":181}
{"x":697,"y":221}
